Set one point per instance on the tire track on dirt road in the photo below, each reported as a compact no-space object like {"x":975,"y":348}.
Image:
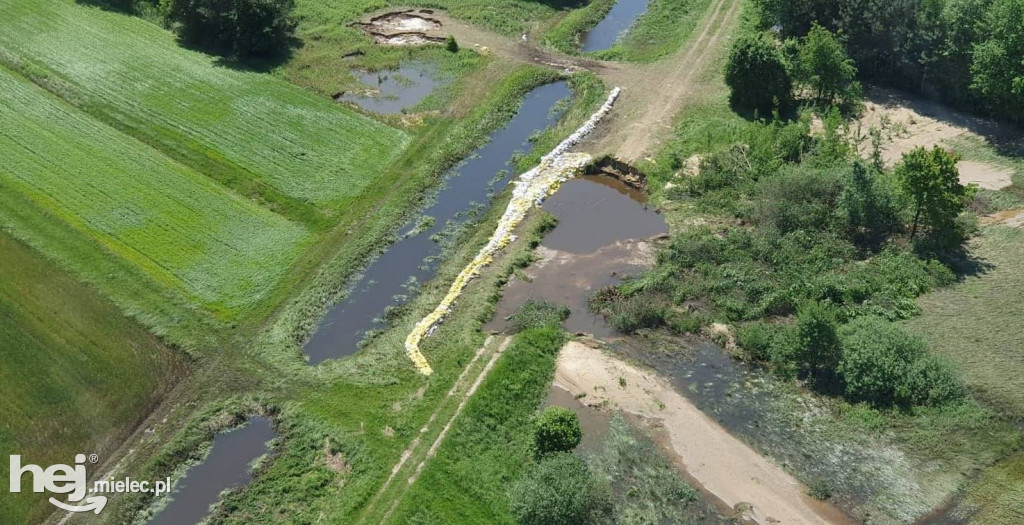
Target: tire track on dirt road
{"x":638,"y":132}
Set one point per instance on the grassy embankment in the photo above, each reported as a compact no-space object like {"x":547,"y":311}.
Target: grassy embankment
{"x":659,"y":32}
{"x":161,"y":130}
{"x":75,"y":375}
{"x":351,"y":402}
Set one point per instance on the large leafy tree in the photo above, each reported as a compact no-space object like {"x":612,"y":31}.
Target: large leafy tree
{"x":932,"y":181}
{"x":825,"y":67}
{"x":998,"y":67}
{"x":239,"y":28}
{"x":757,"y":75}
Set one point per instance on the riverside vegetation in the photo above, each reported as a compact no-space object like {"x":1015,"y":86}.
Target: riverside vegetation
{"x":819,"y":262}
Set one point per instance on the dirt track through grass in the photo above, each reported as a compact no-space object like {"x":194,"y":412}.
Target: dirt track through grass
{"x":458,"y":396}
{"x":647,"y":112}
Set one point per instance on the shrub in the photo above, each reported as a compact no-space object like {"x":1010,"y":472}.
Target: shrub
{"x":884,"y":365}
{"x":636,"y":312}
{"x":451,"y":44}
{"x":797,"y":199}
{"x":560,"y":490}
{"x":558,"y":430}
{"x":757,"y":75}
{"x":536,"y":314}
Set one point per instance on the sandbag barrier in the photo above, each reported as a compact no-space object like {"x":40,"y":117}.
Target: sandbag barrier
{"x":529,"y":190}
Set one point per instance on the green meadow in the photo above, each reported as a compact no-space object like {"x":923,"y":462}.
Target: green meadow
{"x":249,"y":130}
{"x":182,"y":229}
{"x":75,"y":375}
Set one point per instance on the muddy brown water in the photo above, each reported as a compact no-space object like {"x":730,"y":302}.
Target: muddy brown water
{"x":608,"y":31}
{"x":597,"y":211}
{"x":396,"y":90}
{"x":602,"y":224}
{"x":227,"y":466}
{"x":413,"y":259}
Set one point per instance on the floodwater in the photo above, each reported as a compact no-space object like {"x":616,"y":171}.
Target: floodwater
{"x":394,"y":91}
{"x":761,"y":411}
{"x":413,"y":259}
{"x":615,"y":23}
{"x":227,"y":466}
{"x":597,"y":211}
{"x":601,"y":238}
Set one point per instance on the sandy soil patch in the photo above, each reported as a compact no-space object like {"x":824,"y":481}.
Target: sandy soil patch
{"x":1010,"y":218}
{"x":906,"y":123}
{"x":984,"y":175}
{"x":722,"y":464}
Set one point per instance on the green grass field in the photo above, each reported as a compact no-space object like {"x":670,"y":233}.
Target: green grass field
{"x":75,"y":375}
{"x":182,"y":229}
{"x":249,"y":130}
{"x":977,"y":323}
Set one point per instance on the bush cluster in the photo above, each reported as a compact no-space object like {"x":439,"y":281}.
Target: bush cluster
{"x":560,"y":490}
{"x":240,"y":29}
{"x":820,"y":240}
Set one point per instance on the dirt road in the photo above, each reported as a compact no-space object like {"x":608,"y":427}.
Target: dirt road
{"x":722,"y":464}
{"x":652,"y":94}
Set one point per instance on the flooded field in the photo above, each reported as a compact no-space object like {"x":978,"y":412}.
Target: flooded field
{"x":394,"y":91}
{"x":866,"y":474}
{"x":601,"y":237}
{"x":618,"y":21}
{"x":391,"y":278}
{"x":227,"y":466}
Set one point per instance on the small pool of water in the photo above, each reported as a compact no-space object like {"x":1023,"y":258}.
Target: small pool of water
{"x":227,"y":466}
{"x":597,"y":211}
{"x":608,"y":31}
{"x":396,"y":90}
{"x":413,"y":259}
{"x":600,"y":239}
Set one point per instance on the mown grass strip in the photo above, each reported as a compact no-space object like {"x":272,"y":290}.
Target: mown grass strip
{"x":181,"y":229}
{"x":249,"y":130}
{"x":489,"y":445}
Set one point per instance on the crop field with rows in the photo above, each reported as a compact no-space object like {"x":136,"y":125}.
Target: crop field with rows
{"x":228,"y":123}
{"x":181,"y":228}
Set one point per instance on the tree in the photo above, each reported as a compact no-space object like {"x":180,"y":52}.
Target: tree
{"x":818,"y":353}
{"x":932,"y":181}
{"x":451,"y":44}
{"x":998,"y":66}
{"x":238,"y":28}
{"x":558,"y":430}
{"x":868,"y":207}
{"x":560,"y":490}
{"x":757,"y":75}
{"x":825,"y":67}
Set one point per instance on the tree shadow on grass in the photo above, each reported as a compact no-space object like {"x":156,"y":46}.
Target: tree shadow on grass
{"x":262,"y":63}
